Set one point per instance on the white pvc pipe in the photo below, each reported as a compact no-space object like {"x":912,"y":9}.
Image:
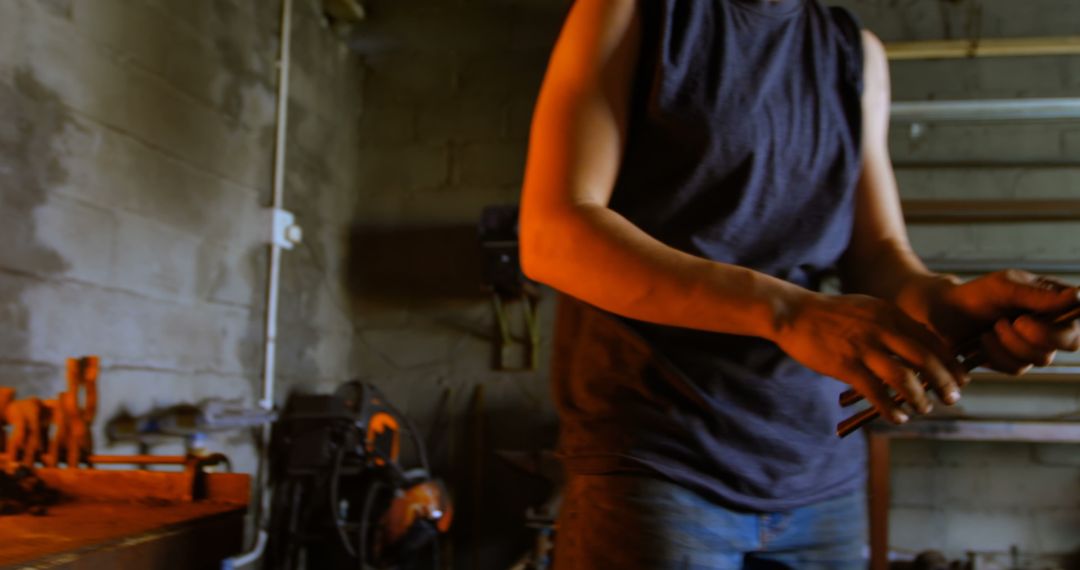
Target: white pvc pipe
{"x":248,"y":557}
{"x":273,"y":281}
{"x":273,"y":286}
{"x":987,"y":110}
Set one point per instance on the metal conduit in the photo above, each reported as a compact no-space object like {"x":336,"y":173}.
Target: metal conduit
{"x":983,"y":47}
{"x":986,"y":110}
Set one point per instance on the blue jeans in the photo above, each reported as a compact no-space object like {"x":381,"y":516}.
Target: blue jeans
{"x":638,"y":523}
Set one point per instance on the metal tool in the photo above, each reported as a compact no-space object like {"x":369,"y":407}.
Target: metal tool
{"x":970,"y":356}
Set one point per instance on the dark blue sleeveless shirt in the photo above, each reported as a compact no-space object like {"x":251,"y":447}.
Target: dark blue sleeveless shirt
{"x":742,"y":147}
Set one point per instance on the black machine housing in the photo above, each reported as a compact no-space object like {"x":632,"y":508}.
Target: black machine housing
{"x":335,"y":469}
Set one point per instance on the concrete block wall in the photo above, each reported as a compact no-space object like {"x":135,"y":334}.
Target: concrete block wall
{"x":135,"y":158}
{"x":986,"y":497}
{"x":448,"y":92}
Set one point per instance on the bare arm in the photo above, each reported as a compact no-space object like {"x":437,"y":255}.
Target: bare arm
{"x":881,"y":262}
{"x":572,"y":241}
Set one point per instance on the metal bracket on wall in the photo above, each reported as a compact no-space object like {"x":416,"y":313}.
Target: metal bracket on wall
{"x":505,"y":341}
{"x":284,"y":232}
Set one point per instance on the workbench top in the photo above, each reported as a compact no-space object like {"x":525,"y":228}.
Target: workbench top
{"x":128,"y":519}
{"x":79,"y":530}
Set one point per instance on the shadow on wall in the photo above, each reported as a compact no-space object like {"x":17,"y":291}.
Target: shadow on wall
{"x":491,"y":496}
{"x":1072,"y":560}
{"x":35,"y":122}
{"x":430,"y":264}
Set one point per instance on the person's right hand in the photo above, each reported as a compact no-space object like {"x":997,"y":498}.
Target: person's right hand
{"x":872,"y":345}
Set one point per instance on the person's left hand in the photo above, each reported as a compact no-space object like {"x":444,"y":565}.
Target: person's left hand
{"x":1003,"y":309}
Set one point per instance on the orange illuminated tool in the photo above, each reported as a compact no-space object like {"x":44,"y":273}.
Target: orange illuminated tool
{"x":427,"y":500}
{"x":971,"y":357}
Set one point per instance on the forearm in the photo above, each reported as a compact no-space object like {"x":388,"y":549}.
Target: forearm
{"x":596,"y":255}
{"x":891,"y":271}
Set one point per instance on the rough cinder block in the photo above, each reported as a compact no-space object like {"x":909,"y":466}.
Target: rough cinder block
{"x":395,"y":78}
{"x":1070,"y":142}
{"x":388,"y":125}
{"x":81,"y":234}
{"x":117,"y":171}
{"x":30,"y":378}
{"x":70,"y":318}
{"x":1023,"y":76}
{"x":994,"y":143}
{"x":519,"y":118}
{"x":458,"y":205}
{"x":914,"y":529}
{"x":989,"y":183}
{"x":1030,"y":486}
{"x":933,"y":79}
{"x":489,"y":164}
{"x":17,"y":226}
{"x":988,"y":530}
{"x":502,"y":76}
{"x":460,"y":119}
{"x":536,"y":24}
{"x":410,"y":349}
{"x":398,"y":169}
{"x":15,"y":331}
{"x":11,"y":35}
{"x":1056,"y":530}
{"x":917,"y":486}
{"x":1031,"y":401}
{"x":153,"y":259}
{"x":1063,"y":454}
{"x":232,"y":275}
{"x":89,"y":80}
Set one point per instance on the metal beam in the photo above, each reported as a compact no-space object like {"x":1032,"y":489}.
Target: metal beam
{"x":908,"y":164}
{"x":986,"y":47}
{"x":986,"y":110}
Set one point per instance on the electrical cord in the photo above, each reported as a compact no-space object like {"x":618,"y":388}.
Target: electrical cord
{"x":335,"y":479}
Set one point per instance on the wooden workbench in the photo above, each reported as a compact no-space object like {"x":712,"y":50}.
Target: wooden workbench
{"x":130,"y":519}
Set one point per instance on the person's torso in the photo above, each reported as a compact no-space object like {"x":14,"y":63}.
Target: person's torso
{"x":742,"y":147}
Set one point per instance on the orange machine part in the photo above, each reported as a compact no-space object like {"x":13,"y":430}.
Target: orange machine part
{"x":427,"y":500}
{"x":379,"y":424}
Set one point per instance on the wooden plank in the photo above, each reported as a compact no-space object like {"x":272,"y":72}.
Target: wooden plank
{"x":109,"y":485}
{"x":130,"y":519}
{"x":131,"y":485}
{"x":986,"y":211}
{"x":227,"y":487}
{"x":986,"y":47}
{"x":879,"y":496}
{"x":103,"y":534}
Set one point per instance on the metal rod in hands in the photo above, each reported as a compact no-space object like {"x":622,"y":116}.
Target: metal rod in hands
{"x":971,"y":357}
